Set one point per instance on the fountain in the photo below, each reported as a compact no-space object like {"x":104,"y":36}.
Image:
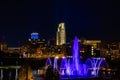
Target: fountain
{"x":75,"y":68}
{"x":48,"y":63}
{"x":55,"y":67}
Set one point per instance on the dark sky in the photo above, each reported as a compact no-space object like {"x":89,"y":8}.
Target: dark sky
{"x":92,"y":19}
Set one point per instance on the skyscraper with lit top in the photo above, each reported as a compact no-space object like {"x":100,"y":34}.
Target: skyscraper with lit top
{"x":61,"y":34}
{"x":34,"y":36}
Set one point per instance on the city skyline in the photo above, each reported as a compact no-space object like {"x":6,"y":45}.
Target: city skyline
{"x":89,"y":19}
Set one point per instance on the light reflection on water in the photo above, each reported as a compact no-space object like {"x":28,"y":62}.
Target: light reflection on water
{"x":10,"y":74}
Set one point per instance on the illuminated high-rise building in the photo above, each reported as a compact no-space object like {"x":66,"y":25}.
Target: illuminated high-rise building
{"x":61,"y":34}
{"x":34,"y":36}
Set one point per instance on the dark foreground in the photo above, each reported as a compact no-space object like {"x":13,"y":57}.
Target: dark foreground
{"x":9,"y":74}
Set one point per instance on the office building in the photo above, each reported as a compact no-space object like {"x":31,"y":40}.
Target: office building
{"x":61,"y":34}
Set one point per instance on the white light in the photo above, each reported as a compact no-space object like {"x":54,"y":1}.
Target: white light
{"x":103,"y":72}
{"x":56,"y":57}
{"x":93,"y":73}
{"x":63,"y":57}
{"x":62,"y":73}
{"x":109,"y":72}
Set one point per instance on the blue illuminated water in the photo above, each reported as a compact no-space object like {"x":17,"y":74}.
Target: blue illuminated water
{"x":77,"y":69}
{"x":48,"y":62}
{"x":74,"y":68}
{"x":55,"y":64}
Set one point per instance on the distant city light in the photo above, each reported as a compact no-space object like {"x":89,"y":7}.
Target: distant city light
{"x":56,"y":57}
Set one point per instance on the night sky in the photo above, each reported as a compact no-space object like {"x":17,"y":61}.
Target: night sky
{"x":92,"y":19}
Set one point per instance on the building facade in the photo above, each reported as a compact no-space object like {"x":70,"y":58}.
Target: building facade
{"x":61,"y":34}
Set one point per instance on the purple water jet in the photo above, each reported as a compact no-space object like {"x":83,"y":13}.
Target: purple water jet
{"x":48,"y":62}
{"x":63,"y":66}
{"x":55,"y":67}
{"x":76,"y":56}
{"x":74,"y":68}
